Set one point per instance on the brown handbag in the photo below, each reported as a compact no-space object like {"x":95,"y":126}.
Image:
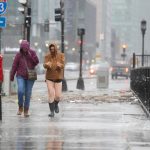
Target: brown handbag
{"x":32,"y":74}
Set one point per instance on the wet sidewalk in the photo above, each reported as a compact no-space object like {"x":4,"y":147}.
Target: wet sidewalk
{"x":82,"y":124}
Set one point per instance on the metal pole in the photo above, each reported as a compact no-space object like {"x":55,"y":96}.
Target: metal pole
{"x":134,"y":59}
{"x":0,"y":82}
{"x":28,"y":34}
{"x":29,"y":25}
{"x":62,"y":35}
{"x":142,"y":49}
{"x":64,"y":82}
{"x":80,"y":82}
{"x":124,"y":53}
{"x":81,"y":50}
{"x":24,"y":28}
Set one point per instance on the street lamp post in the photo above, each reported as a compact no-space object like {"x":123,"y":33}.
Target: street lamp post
{"x":124,"y":46}
{"x":143,"y":29}
{"x":80,"y":82}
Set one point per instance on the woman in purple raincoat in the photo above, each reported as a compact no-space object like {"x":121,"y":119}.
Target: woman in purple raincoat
{"x":25,"y":57}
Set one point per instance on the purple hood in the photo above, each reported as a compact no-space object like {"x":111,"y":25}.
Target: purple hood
{"x":25,"y":44}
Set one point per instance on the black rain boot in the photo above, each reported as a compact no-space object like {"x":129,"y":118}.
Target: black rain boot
{"x":56,"y":106}
{"x":51,"y":107}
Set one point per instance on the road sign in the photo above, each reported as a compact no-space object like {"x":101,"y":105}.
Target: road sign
{"x":3,"y":6}
{"x":2,"y":22}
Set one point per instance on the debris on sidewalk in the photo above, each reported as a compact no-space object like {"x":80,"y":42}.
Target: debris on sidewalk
{"x":83,"y":97}
{"x":90,"y":97}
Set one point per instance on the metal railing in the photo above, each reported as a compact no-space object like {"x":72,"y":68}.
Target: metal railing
{"x":140,"y":80}
{"x":137,"y":60}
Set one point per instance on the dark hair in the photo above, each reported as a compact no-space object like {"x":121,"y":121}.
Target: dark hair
{"x":21,"y":50}
{"x":51,"y":45}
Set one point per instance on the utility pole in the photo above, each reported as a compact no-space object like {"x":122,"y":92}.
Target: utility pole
{"x":60,"y":17}
{"x":28,"y":23}
{"x":26,"y":11}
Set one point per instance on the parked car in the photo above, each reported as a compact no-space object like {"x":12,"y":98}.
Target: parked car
{"x":122,"y":70}
{"x":72,"y":66}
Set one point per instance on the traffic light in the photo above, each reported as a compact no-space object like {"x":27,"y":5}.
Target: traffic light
{"x":28,"y":17}
{"x":27,"y":21}
{"x":26,"y":11}
{"x":81,"y":31}
{"x":59,"y":12}
{"x":46,"y":25}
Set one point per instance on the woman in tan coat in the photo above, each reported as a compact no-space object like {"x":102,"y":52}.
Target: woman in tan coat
{"x":54,"y":65}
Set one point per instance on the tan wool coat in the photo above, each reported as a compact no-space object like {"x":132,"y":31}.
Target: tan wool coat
{"x":53,"y":70}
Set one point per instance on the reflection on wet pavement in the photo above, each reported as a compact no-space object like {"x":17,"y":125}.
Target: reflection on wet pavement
{"x":78,"y":126}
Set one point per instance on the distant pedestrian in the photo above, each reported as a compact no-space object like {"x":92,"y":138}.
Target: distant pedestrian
{"x":24,"y":59}
{"x":54,"y":65}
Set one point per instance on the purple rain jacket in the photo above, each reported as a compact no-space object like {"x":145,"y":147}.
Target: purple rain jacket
{"x":19,"y":65}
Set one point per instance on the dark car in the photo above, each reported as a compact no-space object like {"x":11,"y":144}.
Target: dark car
{"x":122,"y":70}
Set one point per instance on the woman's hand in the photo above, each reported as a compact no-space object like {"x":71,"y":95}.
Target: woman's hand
{"x":49,"y":64}
{"x":59,"y":65}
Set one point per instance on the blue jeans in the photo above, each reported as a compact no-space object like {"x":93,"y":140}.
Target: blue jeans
{"x":24,"y":91}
